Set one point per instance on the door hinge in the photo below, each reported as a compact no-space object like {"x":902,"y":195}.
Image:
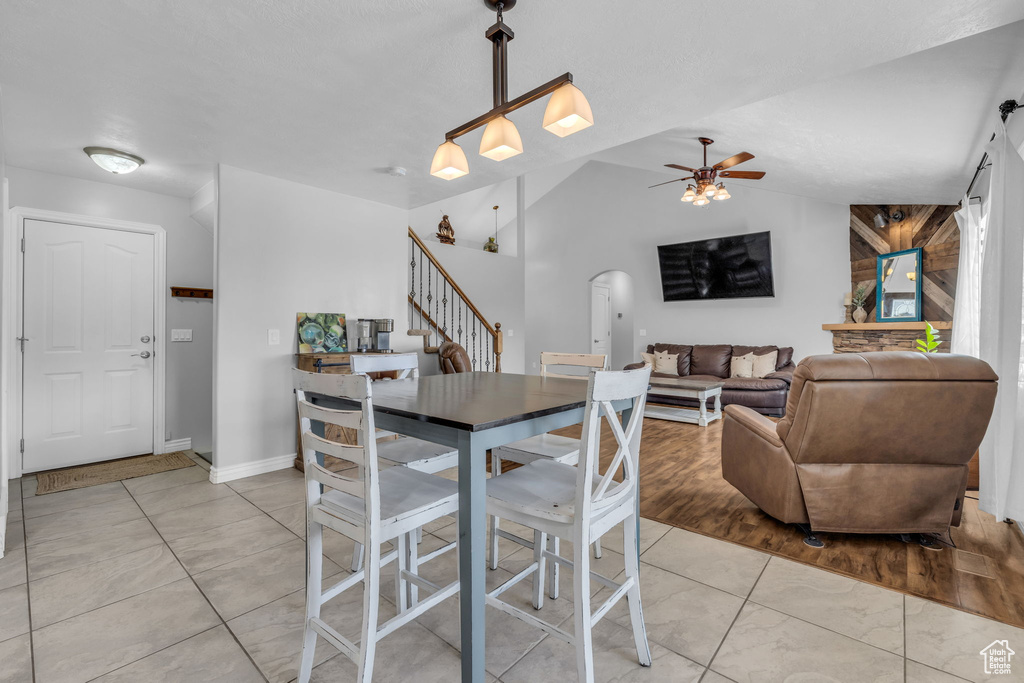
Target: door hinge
{"x":23,"y":445}
{"x":22,"y":245}
{"x":22,"y":340}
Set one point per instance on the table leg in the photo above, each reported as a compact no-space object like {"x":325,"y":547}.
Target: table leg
{"x":702,"y":397}
{"x":472,"y":546}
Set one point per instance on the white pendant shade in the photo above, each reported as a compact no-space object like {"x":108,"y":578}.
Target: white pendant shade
{"x":449,"y":161}
{"x":701,"y":200}
{"x":501,"y":140}
{"x":689,"y":195}
{"x":568,"y":111}
{"x":722,"y":193}
{"x":709,"y":190}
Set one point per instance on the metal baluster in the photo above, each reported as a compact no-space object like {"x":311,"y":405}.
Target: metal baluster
{"x":430,"y":297}
{"x":473,"y":352}
{"x":420,"y":304}
{"x":444,"y":309}
{"x":460,"y":319}
{"x":487,"y":353}
{"x":412,"y":279}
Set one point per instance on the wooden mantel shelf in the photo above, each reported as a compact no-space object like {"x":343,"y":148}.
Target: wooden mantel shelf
{"x":939,"y":325}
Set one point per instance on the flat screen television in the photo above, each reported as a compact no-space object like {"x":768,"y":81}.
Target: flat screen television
{"x":721,"y":268}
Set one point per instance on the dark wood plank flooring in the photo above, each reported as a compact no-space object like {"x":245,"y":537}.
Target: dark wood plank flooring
{"x":681,"y":484}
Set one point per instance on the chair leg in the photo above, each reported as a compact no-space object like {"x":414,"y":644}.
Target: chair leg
{"x":492,"y":549}
{"x":314,"y":584}
{"x":413,"y":565}
{"x":401,"y":594}
{"x":371,"y":605}
{"x":597,"y":549}
{"x":553,"y":571}
{"x":581,"y":612}
{"x":540,"y":544}
{"x":419,"y":535}
{"x":631,"y":547}
{"x":357,"y":557}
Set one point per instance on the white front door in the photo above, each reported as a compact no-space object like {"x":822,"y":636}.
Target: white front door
{"x":88,"y":360}
{"x":601,"y":318}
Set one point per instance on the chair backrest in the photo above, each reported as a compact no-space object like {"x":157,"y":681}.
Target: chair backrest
{"x":604,"y":387}
{"x":453,"y":358}
{"x":888,"y":407}
{"x":405,"y":364}
{"x":355,"y":388}
{"x":550,"y":359}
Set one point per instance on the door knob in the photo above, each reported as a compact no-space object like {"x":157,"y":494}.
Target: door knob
{"x":597,"y":341}
{"x":144,"y":339}
{"x":144,"y":354}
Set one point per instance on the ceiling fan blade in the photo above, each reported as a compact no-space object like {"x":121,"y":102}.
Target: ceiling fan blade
{"x":744,"y":175}
{"x":670,"y":181}
{"x":733,"y":160}
{"x":681,"y":168}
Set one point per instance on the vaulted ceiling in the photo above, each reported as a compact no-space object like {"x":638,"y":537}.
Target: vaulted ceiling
{"x":331,"y":93}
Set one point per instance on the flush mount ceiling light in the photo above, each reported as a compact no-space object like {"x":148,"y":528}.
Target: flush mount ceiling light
{"x":706,"y":177}
{"x":114,"y":160}
{"x":567,"y":112}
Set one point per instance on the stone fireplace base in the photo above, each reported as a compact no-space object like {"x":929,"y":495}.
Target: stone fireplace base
{"x":858,"y":338}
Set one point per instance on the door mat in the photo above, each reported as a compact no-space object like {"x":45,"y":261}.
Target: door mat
{"x":105,"y":472}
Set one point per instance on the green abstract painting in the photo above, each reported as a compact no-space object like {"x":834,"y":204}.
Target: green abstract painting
{"x":322,"y":332}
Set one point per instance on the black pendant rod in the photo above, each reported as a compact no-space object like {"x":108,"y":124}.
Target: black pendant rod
{"x":1005,"y":109}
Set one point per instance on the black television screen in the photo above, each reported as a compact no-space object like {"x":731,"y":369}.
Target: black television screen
{"x":720,"y":268}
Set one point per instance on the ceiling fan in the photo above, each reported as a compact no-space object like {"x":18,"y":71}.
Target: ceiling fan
{"x":706,"y":177}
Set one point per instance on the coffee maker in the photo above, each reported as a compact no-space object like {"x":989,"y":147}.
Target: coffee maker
{"x":373,"y":335}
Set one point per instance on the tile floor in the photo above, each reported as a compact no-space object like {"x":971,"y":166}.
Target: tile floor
{"x":171,"y":578}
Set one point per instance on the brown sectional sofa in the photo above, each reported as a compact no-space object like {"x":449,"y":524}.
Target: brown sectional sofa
{"x":712,"y":362}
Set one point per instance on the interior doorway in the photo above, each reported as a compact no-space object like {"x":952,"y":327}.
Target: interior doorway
{"x":88,"y":365}
{"x":611,"y":318}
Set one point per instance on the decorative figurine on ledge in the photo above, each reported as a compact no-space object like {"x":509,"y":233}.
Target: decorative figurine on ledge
{"x":491,"y":245}
{"x":445,"y":232}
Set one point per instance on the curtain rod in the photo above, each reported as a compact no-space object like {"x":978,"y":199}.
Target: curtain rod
{"x":1005,"y":109}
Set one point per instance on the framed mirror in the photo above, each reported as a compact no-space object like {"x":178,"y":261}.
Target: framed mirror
{"x":898,"y":289}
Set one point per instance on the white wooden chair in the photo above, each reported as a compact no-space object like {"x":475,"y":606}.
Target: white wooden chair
{"x":381,"y":506}
{"x":551,"y":447}
{"x":581,"y":504}
{"x":404,"y":451}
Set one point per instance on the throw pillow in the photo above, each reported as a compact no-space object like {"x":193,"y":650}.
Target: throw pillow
{"x":648,"y":359}
{"x":666,"y":363}
{"x":764,"y":365}
{"x":742,"y":366}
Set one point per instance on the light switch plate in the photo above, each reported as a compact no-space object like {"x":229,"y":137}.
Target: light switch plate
{"x":510,"y":332}
{"x":643,"y":333}
{"x":181,"y":335}
{"x":273,"y":337}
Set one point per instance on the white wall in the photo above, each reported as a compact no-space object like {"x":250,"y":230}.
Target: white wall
{"x":603,"y":217}
{"x":189,"y":263}
{"x":282,"y":248}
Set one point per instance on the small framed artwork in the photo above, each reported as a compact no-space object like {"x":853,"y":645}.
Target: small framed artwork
{"x":321,"y":332}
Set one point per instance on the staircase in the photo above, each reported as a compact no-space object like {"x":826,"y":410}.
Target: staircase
{"x":439,"y":311}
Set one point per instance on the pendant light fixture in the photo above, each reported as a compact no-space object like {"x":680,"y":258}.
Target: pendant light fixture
{"x":567,"y":112}
{"x":115,"y":161}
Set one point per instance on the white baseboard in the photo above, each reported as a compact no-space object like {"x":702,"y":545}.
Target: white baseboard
{"x":219,"y":475}
{"x":177,"y":445}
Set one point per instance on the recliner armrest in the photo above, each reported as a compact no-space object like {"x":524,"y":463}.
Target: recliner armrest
{"x":755,"y":422}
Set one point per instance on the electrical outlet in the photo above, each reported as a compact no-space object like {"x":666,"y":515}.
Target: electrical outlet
{"x":181,"y":335}
{"x":643,"y":333}
{"x":273,"y":337}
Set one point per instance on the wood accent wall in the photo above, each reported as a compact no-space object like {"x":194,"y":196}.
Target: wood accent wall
{"x":929,"y":226}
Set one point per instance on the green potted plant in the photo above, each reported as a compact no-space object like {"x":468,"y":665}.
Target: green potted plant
{"x":930,"y":344}
{"x":860,"y":296}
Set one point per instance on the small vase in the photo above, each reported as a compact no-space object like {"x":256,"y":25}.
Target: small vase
{"x":860,"y":315}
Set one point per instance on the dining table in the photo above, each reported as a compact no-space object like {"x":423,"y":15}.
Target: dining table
{"x":474,"y":412}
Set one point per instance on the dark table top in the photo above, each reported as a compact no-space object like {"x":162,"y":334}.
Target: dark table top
{"x":475,"y":401}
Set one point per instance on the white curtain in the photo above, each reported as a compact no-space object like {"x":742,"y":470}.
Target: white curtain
{"x":967,"y":321}
{"x":1001,"y":334}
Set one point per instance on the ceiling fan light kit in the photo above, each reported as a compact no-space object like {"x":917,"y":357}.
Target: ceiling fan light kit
{"x":567,"y":111}
{"x":708,"y":186}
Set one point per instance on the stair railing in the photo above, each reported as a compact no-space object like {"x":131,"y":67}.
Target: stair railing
{"x":440,"y":311}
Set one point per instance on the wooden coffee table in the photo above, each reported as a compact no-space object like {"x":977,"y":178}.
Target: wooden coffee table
{"x":685,"y":388}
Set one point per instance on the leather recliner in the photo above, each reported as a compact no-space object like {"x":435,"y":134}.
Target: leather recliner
{"x":871,"y":442}
{"x":453,"y":358}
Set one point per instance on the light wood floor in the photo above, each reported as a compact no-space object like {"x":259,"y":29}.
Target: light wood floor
{"x":681,"y":484}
